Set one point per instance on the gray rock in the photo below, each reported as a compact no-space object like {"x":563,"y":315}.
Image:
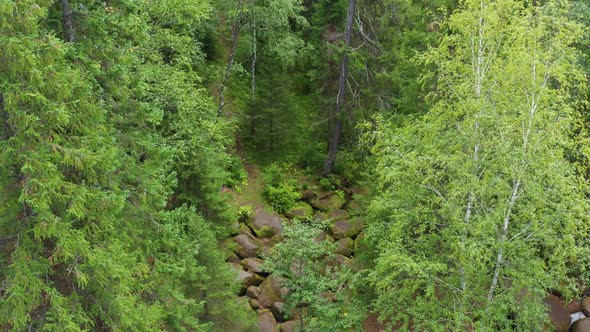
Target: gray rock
{"x":344,"y":247}
{"x":332,"y":202}
{"x":246,"y":246}
{"x":347,"y":228}
{"x":267,"y":322}
{"x":278,"y":311}
{"x":583,"y":325}
{"x":300,"y":211}
{"x":253,"y":264}
{"x":266,"y":224}
{"x":253,"y":292}
{"x":338,"y":214}
{"x":254,"y":304}
{"x":270,"y":291}
{"x":291,"y":326}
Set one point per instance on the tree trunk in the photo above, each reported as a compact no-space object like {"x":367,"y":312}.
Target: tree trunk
{"x":253,"y":73}
{"x":67,"y":21}
{"x":234,"y":43}
{"x":337,"y":130}
{"x":7,"y":131}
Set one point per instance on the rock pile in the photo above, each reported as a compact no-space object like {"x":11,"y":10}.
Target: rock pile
{"x":262,"y":231}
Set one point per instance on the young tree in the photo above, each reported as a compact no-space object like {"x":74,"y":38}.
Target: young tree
{"x":479,"y":205}
{"x":308,"y":269}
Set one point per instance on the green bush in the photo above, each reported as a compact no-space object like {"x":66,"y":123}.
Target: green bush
{"x":282,"y":197}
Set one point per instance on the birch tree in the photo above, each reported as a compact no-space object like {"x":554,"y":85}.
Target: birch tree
{"x":479,"y":204}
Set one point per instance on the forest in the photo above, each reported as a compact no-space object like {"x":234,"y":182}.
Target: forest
{"x":295,"y":165}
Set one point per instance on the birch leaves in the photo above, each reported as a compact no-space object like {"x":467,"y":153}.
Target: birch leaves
{"x":479,"y":203}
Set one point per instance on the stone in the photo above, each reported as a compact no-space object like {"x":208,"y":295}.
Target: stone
{"x":342,"y":260}
{"x":234,"y":228}
{"x":585,"y":305}
{"x":266,"y":224}
{"x":354,"y":207}
{"x":253,"y":264}
{"x":245,"y":278}
{"x":346,"y":228}
{"x":560,"y":317}
{"x":320,"y":216}
{"x":253,"y":292}
{"x":308,"y":195}
{"x":576,"y":317}
{"x":244,"y":229}
{"x":278,"y":310}
{"x":270,"y":291}
{"x":291,"y":326}
{"x":267,"y":322}
{"x":254,"y":303}
{"x":360,"y":242}
{"x":344,"y":247}
{"x":246,"y":246}
{"x":582,"y":325}
{"x":332,"y":202}
{"x":233,"y":258}
{"x":338,"y":214}
{"x":300,"y":211}
{"x":574,"y":306}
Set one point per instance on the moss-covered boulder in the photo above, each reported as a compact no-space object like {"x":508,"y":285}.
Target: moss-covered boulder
{"x":338,"y":214}
{"x":344,"y":246}
{"x":329,"y":203}
{"x":246,"y":245}
{"x":291,"y":326}
{"x":253,"y":264}
{"x":300,"y":211}
{"x":266,"y":224}
{"x":267,"y":322}
{"x":270,"y":291}
{"x":346,"y":228}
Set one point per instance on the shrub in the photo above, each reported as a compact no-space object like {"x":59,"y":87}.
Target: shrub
{"x":281,"y":197}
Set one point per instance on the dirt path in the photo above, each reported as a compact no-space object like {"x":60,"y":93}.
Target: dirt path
{"x":251,"y":193}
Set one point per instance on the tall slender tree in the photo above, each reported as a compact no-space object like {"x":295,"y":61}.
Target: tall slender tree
{"x":479,"y":205}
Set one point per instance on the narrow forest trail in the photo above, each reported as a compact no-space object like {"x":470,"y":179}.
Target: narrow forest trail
{"x":251,"y":193}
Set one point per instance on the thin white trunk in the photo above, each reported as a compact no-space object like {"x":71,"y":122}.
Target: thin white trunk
{"x":503,"y":237}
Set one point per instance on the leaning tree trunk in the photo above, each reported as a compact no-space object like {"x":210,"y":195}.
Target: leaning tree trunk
{"x":337,"y":129}
{"x":234,"y":43}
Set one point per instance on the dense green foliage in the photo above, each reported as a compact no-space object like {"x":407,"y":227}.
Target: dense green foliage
{"x":98,"y":135}
{"x":136,"y":135}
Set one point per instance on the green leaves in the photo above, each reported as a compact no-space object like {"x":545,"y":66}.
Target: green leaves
{"x":472,"y":207}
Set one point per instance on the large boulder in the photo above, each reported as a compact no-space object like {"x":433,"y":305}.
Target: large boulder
{"x":344,"y":247}
{"x":557,"y":310}
{"x":270,"y":291}
{"x":585,"y":305}
{"x":266,"y":224}
{"x":291,"y":326}
{"x":300,"y":211}
{"x":245,"y":278}
{"x":253,"y":264}
{"x":253,"y":292}
{"x":583,"y":325}
{"x":346,"y":228}
{"x":267,"y":322}
{"x":278,"y":310}
{"x":338,"y":214}
{"x":246,"y":245}
{"x":326,"y":204}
